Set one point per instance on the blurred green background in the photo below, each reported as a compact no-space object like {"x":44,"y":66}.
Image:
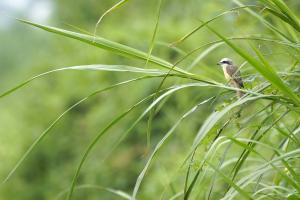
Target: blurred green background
{"x":26,"y":51}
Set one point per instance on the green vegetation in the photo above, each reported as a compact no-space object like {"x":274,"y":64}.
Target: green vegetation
{"x":140,"y":110}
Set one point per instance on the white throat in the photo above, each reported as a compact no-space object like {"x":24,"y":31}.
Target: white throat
{"x":224,"y":67}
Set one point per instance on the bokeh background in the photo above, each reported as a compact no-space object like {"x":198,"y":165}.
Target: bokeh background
{"x":26,"y":51}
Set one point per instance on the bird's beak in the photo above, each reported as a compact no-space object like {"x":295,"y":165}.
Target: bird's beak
{"x":218,"y":63}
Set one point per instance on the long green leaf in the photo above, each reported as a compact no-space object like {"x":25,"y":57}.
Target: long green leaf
{"x":154,"y":32}
{"x":107,"y":45}
{"x":117,"y":5}
{"x":149,"y":54}
{"x":186,"y":36}
{"x":100,"y":67}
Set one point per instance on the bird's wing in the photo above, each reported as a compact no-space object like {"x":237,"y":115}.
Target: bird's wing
{"x":235,"y":74}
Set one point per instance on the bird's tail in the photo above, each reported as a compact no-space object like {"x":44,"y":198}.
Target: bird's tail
{"x":240,"y":93}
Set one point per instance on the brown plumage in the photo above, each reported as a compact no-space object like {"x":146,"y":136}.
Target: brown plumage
{"x":232,"y":74}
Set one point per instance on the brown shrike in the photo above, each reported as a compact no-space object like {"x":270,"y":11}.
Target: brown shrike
{"x":232,"y":75}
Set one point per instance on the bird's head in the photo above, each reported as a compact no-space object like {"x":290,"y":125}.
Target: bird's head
{"x":224,"y":62}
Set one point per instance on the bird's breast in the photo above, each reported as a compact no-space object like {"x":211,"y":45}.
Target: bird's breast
{"x":227,"y":76}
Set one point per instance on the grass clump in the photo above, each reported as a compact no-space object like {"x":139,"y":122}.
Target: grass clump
{"x":205,"y":141}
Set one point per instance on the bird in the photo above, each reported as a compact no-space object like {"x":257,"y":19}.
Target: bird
{"x":232,"y":74}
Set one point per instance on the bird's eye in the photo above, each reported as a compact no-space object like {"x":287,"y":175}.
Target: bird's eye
{"x":225,"y":62}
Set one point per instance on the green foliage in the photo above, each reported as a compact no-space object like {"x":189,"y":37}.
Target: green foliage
{"x":83,"y":132}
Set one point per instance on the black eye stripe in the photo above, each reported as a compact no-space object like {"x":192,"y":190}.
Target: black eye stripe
{"x":227,"y":62}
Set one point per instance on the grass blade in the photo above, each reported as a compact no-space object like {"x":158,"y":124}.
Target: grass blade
{"x":117,"y":5}
{"x":107,"y":45}
{"x":100,"y":67}
{"x":185,"y":37}
{"x":154,"y":32}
